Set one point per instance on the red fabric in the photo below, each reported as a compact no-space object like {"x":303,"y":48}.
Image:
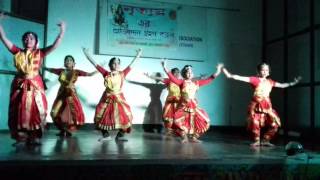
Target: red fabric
{"x":106,"y":73}
{"x":70,"y":113}
{"x":56,"y":71}
{"x":71,"y":107}
{"x":169,"y":110}
{"x":107,"y":106}
{"x":82,"y":73}
{"x":254,"y":81}
{"x":113,"y":106}
{"x":189,"y":113}
{"x":15,"y":49}
{"x":18,"y":99}
{"x":200,"y":82}
{"x":189,"y":118}
{"x":166,"y":81}
{"x":203,"y":82}
{"x":102,"y":71}
{"x":259,"y":121}
{"x":261,"y":115}
{"x":126,"y":71}
{"x":175,"y":80}
{"x":24,"y":116}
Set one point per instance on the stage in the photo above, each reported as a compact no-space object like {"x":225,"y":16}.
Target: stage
{"x":147,"y":155}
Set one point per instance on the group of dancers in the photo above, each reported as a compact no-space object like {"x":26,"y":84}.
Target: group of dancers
{"x":182,"y":115}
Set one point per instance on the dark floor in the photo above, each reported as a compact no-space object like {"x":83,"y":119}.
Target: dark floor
{"x":230,"y":152}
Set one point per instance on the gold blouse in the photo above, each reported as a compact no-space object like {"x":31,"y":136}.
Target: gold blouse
{"x":113,"y":82}
{"x":263,"y":89}
{"x":189,"y":90}
{"x":173,"y":90}
{"x":28,"y":62}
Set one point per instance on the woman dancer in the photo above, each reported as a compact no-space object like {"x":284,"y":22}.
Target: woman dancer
{"x":171,"y":102}
{"x":113,"y":112}
{"x":260,"y":111}
{"x":67,"y":113}
{"x":28,"y":104}
{"x":191,"y":120}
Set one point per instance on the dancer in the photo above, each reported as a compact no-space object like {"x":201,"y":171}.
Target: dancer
{"x":191,"y":120}
{"x":171,"y":102}
{"x":260,"y":111}
{"x":67,"y":113}
{"x":113,"y":111}
{"x":28,"y":104}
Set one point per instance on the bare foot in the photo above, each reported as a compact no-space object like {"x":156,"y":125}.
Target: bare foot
{"x":255,"y":144}
{"x":121,"y":139}
{"x":195,"y":140}
{"x":107,"y":138}
{"x":184,"y":140}
{"x":267,"y":143}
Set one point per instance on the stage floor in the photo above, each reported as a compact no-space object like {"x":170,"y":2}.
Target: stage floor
{"x":217,"y":150}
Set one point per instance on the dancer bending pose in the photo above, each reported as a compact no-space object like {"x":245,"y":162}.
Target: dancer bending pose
{"x":260,"y":111}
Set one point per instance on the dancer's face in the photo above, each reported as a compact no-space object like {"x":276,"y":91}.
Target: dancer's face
{"x":69,"y":63}
{"x":189,"y":74}
{"x":29,"y":41}
{"x":264,"y":71}
{"x":176,"y":73}
{"x":115,"y":65}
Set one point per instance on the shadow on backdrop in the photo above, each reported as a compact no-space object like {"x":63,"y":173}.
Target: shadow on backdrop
{"x":152,"y":121}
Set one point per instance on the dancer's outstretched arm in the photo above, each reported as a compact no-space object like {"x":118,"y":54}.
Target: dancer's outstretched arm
{"x":219,"y":68}
{"x":209,"y":79}
{"x":234,"y":76}
{"x":170,"y":75}
{"x":57,"y":42}
{"x":3,"y":36}
{"x":56,"y":71}
{"x":93,"y":62}
{"x":92,"y":73}
{"x":286,"y":85}
{"x":86,"y":53}
{"x":139,"y":52}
